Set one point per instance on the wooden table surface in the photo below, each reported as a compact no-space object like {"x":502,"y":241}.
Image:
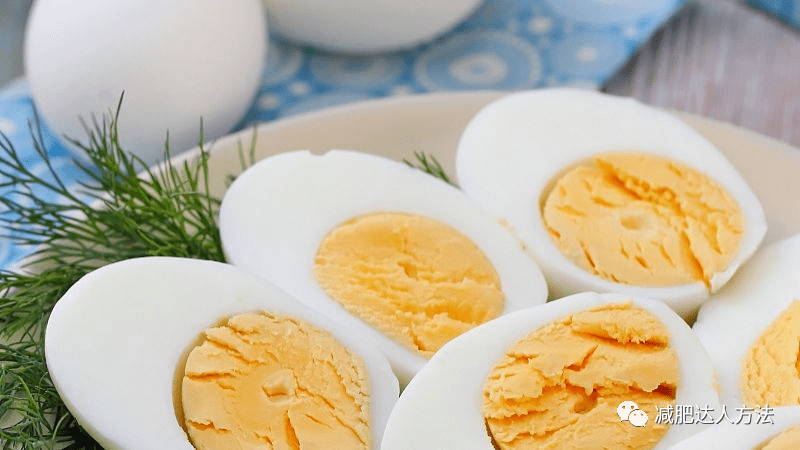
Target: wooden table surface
{"x":725,"y":60}
{"x":717,"y":58}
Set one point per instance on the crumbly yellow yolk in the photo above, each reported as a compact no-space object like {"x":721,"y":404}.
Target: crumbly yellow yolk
{"x":417,"y":280}
{"x":789,"y":439}
{"x":269,"y":381}
{"x":560,"y":386}
{"x":771,"y":367}
{"x":640,"y":219}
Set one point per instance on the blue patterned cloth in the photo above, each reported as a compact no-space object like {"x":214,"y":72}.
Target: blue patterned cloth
{"x":787,"y":10}
{"x":505,"y":45}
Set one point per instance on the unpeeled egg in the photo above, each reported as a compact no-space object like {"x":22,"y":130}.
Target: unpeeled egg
{"x":176,"y":62}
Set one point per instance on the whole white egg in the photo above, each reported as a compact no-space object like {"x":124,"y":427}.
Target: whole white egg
{"x":366,"y":26}
{"x":513,"y":151}
{"x":176,"y":62}
{"x":276,"y":215}
{"x":116,"y":340}
{"x":441,"y":407}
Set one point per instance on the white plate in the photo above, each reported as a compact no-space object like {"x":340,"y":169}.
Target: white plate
{"x":432,"y":123}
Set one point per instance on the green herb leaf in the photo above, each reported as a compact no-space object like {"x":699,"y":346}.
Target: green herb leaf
{"x":429,"y":165}
{"x":118,"y":214}
{"x":124,"y":211}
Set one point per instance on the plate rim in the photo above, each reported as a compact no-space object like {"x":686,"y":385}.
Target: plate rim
{"x":418,"y":99}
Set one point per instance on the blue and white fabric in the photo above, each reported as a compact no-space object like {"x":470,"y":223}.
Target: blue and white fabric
{"x":786,"y":10}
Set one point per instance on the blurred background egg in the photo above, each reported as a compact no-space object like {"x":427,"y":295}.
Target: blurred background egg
{"x":365,"y":26}
{"x":176,"y":61}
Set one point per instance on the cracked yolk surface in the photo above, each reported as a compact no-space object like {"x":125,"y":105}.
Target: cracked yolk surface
{"x":789,"y":439}
{"x":560,"y":386}
{"x":269,"y":381}
{"x":771,"y":367}
{"x":417,"y":280}
{"x":640,"y":219}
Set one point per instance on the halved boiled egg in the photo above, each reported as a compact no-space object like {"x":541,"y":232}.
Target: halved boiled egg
{"x":751,"y":329}
{"x":610,"y":195}
{"x":261,"y":367}
{"x":400,"y":257}
{"x":583,"y":372}
{"x":777,"y":429}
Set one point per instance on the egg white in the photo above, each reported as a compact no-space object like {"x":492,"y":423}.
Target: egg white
{"x":365,"y":26}
{"x":442,"y":406}
{"x":275,"y":215}
{"x":727,"y":435}
{"x":514,"y":149}
{"x":177,"y":63}
{"x":729,"y":322}
{"x":115,"y":339}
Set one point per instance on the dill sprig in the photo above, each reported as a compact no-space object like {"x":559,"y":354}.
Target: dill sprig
{"x":430,"y":165}
{"x":124,"y":210}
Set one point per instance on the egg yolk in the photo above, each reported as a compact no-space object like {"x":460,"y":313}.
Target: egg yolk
{"x":771,"y":367}
{"x":268,"y":381}
{"x":417,"y":280}
{"x":789,"y":439}
{"x":563,"y":385}
{"x":644,"y":220}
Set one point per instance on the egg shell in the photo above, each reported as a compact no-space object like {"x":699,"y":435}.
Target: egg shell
{"x":513,"y":150}
{"x":275,"y":215}
{"x":731,"y":435}
{"x":729,"y":322}
{"x":441,"y":407}
{"x":176,"y":61}
{"x":115,"y":340}
{"x":366,"y":26}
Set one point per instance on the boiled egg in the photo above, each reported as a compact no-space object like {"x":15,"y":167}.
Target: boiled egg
{"x":751,"y":329}
{"x":610,"y":195}
{"x":777,"y":429}
{"x":585,"y":371}
{"x":117,"y":343}
{"x":177,"y":62}
{"x":398,"y":256}
{"x":366,"y":26}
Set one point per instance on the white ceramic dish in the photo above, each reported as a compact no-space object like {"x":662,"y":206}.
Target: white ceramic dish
{"x":365,"y":26}
{"x":432,"y":123}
